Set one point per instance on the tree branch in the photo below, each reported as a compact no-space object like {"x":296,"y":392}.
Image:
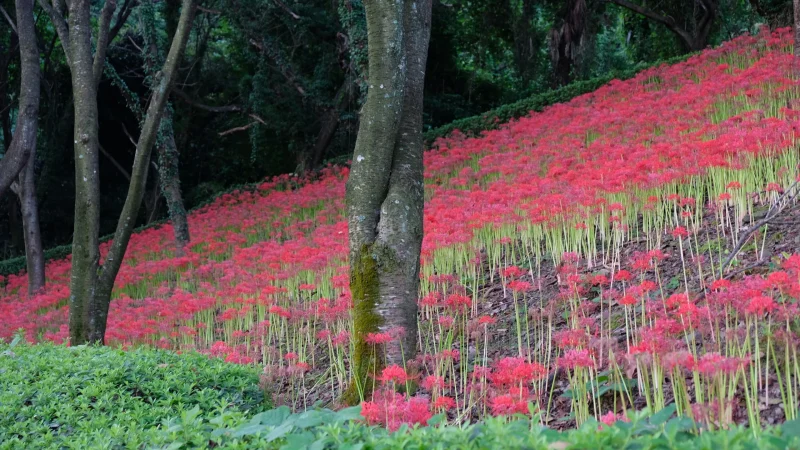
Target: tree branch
{"x":116,"y":164}
{"x":60,"y":24}
{"x":667,"y":21}
{"x":103,"y":38}
{"x":218,"y":109}
{"x":8,"y":18}
{"x":122,"y":19}
{"x":234,"y":130}
{"x":772,"y":213}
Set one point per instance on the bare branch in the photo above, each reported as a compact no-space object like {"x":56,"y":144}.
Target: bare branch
{"x":209,"y":10}
{"x":8,"y":18}
{"x":218,"y":109}
{"x":103,"y":35}
{"x":116,"y":164}
{"x":667,"y":21}
{"x":122,"y":18}
{"x":234,"y":130}
{"x":286,"y":8}
{"x":57,"y":17}
{"x":772,"y":213}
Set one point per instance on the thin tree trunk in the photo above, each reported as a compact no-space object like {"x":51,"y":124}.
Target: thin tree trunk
{"x":330,"y":123}
{"x":168,"y":157}
{"x":34,"y":253}
{"x":384,"y":191}
{"x":24,"y":139}
{"x":168,"y":160}
{"x":19,"y":162}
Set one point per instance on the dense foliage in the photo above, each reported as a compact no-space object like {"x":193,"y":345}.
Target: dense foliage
{"x":84,"y":397}
{"x":91,"y":398}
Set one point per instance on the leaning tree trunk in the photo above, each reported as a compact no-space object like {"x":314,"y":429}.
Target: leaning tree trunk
{"x":385,"y":190}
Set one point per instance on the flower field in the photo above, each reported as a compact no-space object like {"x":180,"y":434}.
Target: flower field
{"x":575,"y":263}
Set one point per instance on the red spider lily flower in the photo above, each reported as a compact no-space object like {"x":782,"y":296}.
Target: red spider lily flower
{"x":486,"y":320}
{"x":518,"y":286}
{"x":760,"y":305}
{"x":733,"y":185}
{"x":444,"y":403}
{"x":717,"y":285}
{"x":506,"y":404}
{"x":576,"y":358}
{"x":378,"y":338}
{"x":394,"y":373}
{"x":432,"y":382}
{"x":627,"y":300}
{"x":512,"y":272}
{"x":623,"y":275}
{"x":458,"y":302}
{"x":447,"y":322}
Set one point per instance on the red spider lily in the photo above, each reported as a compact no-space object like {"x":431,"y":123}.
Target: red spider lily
{"x":395,"y":374}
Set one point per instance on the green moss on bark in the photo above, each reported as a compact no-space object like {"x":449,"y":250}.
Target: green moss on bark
{"x":365,"y":289}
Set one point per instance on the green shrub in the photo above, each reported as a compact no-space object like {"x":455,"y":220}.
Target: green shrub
{"x":54,"y":397}
{"x":97,"y":397}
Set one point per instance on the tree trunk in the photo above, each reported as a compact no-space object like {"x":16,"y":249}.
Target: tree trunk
{"x":24,"y":139}
{"x":20,"y":161}
{"x":91,"y":283}
{"x":168,"y":156}
{"x":34,"y":253}
{"x":385,"y":189}
{"x":168,"y":160}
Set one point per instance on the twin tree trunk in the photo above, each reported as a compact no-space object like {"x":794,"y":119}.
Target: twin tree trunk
{"x":91,"y":282}
{"x":385,"y":190}
{"x":17,"y":168}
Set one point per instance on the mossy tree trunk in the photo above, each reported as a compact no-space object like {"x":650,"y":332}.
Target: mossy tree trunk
{"x":91,"y":282}
{"x":385,"y":190}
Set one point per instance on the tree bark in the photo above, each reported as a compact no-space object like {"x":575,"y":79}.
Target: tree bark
{"x":168,"y":160}
{"x":24,"y":138}
{"x":91,"y":283}
{"x":34,"y":253}
{"x":566,"y":40}
{"x":20,"y":160}
{"x":385,"y":189}
{"x":168,"y":156}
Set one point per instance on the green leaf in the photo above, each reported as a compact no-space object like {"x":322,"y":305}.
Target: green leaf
{"x":250,"y":430}
{"x":298,"y":441}
{"x":279,"y":432}
{"x":308,"y":419}
{"x":436,"y":420}
{"x":662,"y":416}
{"x":791,"y":428}
{"x":273,"y":417}
{"x":348,"y":414}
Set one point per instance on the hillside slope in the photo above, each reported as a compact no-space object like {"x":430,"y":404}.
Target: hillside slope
{"x":572,"y":260}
